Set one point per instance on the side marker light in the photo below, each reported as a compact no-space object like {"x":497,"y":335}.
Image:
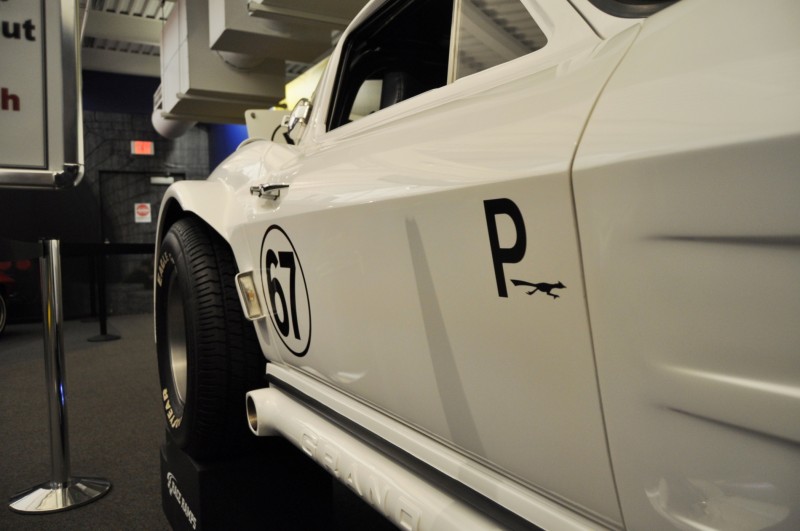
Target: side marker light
{"x":249,"y":296}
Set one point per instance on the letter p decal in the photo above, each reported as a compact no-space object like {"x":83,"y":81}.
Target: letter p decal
{"x":504,"y":255}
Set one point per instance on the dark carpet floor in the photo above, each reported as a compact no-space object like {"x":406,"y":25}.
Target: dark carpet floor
{"x":116,"y":429}
{"x":115,"y":423}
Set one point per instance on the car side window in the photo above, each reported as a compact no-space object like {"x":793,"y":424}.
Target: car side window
{"x":491,"y":32}
{"x":410,"y":47}
{"x":401,"y":51}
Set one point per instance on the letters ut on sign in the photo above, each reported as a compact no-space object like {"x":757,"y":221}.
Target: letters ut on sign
{"x":23,"y":142}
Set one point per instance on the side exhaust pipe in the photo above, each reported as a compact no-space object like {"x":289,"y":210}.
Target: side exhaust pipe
{"x":260,"y":407}
{"x":407,"y":500}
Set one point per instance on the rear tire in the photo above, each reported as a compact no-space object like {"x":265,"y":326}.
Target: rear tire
{"x":3,"y":311}
{"x":208,"y":353}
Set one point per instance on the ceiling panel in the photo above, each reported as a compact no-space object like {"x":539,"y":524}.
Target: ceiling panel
{"x":122,"y":36}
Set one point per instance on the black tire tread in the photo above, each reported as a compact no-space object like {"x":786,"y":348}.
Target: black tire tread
{"x":227,"y":360}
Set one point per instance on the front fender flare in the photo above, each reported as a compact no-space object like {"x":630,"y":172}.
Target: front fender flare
{"x":208,"y":200}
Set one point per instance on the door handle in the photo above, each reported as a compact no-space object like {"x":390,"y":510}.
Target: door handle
{"x":272,"y":191}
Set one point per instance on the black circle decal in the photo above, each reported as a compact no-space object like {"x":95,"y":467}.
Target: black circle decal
{"x":285,"y":290}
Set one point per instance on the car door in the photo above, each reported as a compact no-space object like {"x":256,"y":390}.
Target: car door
{"x":424,"y":257}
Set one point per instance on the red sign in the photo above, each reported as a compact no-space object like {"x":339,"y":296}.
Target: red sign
{"x":142,"y":213}
{"x":142,"y":147}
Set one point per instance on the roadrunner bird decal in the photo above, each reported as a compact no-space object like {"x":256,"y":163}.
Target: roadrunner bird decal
{"x":540,"y":286}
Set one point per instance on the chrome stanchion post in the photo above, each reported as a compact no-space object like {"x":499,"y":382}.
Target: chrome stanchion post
{"x":55,"y":373}
{"x":62,"y":492}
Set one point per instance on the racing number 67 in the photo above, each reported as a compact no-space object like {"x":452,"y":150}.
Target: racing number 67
{"x":284,"y":259}
{"x":285,"y":289}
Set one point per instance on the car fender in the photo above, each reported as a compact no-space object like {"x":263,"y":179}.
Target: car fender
{"x":216,"y":200}
{"x":208,"y":200}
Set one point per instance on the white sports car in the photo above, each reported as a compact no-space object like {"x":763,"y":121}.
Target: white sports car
{"x":527,"y":263}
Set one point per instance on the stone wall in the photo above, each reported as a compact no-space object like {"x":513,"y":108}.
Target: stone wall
{"x":120,"y":180}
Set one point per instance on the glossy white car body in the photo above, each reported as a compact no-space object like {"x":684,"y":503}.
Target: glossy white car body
{"x":652,"y":166}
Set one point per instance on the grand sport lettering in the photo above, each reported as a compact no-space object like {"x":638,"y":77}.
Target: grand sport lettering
{"x":524,"y":263}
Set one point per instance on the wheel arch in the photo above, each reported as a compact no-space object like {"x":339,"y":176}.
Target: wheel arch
{"x":201,"y":198}
{"x":204,"y":200}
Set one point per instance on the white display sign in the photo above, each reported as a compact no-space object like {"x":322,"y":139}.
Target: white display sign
{"x":41,"y":144}
{"x":23,"y":129}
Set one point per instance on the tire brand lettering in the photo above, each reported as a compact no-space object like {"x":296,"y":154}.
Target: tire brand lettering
{"x":285,"y":290}
{"x":173,"y":420}
{"x":174,"y":492}
{"x":166,"y":258}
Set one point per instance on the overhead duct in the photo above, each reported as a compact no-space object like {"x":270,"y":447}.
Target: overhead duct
{"x":222,"y":57}
{"x":310,"y":12}
{"x":167,"y":127}
{"x":201,"y":84}
{"x":235,"y":27}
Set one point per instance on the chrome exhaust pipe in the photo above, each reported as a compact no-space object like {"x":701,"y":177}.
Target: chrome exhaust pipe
{"x":260,"y":408}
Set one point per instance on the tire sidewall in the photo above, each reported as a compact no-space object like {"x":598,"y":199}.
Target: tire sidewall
{"x":171,"y":268}
{"x":3,"y":311}
{"x":222,"y":359}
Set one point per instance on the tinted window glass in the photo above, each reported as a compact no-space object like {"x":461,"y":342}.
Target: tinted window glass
{"x":410,"y":47}
{"x":492,"y":32}
{"x":402,"y":51}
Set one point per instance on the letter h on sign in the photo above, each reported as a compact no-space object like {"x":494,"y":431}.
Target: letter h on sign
{"x":8,"y":101}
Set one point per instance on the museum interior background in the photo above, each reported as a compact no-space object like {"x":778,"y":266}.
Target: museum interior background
{"x":101,"y":209}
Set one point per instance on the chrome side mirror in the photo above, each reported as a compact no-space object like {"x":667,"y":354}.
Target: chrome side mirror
{"x":299,"y":116}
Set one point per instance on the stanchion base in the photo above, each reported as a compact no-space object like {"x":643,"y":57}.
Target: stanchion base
{"x":51,"y":497}
{"x":103,"y":337}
